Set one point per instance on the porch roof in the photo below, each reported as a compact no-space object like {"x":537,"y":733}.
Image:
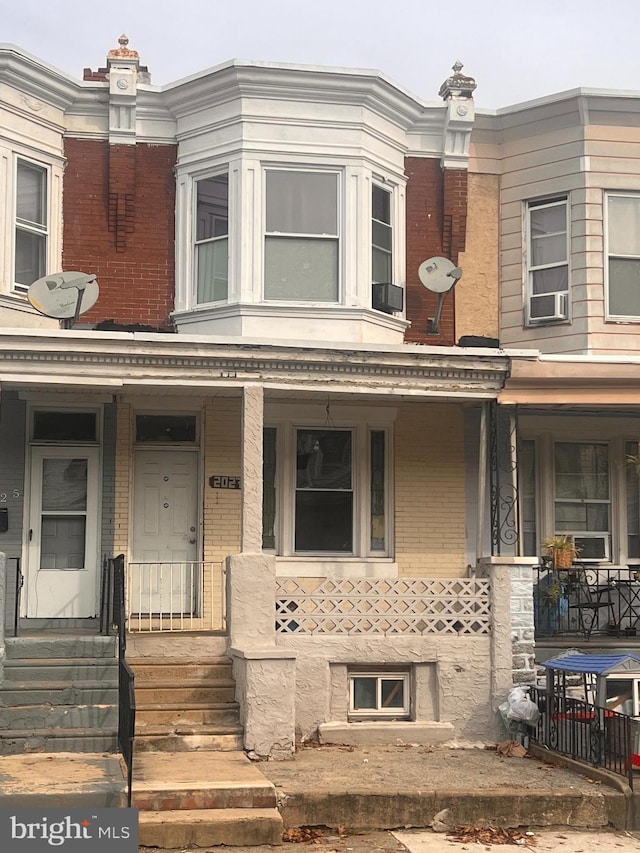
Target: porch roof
{"x":581,"y":380}
{"x":597,"y":664}
{"x":116,"y":362}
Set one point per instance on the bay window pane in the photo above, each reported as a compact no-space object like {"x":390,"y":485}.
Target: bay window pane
{"x":302,"y":203}
{"x":549,"y":250}
{"x":213,"y":271}
{"x":548,"y":220}
{"x":624,"y":225}
{"x":552,"y":280}
{"x":213,"y":207}
{"x":31,"y":195}
{"x":301,"y":269}
{"x":624,"y":287}
{"x":30,"y":261}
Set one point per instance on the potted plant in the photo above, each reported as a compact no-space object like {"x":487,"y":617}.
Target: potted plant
{"x":562,"y":550}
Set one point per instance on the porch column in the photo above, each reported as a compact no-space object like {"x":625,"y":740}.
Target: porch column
{"x":252,"y":427}
{"x":264,"y":673}
{"x":512,"y":632}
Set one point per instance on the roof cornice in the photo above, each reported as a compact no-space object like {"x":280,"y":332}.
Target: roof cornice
{"x":129,"y":360}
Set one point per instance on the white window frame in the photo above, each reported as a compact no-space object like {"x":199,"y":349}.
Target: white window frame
{"x":53,"y":167}
{"x":285,"y":480}
{"x":628,"y":318}
{"x":376,"y":185}
{"x":197,"y":243}
{"x":380,"y":712}
{"x":338,"y":237}
{"x":562,"y":306}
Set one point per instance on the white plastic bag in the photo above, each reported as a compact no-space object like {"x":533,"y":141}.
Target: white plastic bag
{"x":521,"y":707}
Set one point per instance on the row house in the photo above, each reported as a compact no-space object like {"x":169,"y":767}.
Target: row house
{"x":294,"y":444}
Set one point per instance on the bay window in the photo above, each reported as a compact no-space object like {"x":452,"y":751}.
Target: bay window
{"x":31,"y":224}
{"x":623,"y":243}
{"x":301,"y":255}
{"x":547,"y":260}
{"x":212,"y":242}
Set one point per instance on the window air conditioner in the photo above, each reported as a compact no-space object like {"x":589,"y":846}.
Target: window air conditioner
{"x":387,"y":297}
{"x":592,"y":546}
{"x":549,"y":306}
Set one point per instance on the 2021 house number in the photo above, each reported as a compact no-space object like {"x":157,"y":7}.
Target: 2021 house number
{"x":14,"y":494}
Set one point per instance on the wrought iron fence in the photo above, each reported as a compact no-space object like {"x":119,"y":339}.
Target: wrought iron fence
{"x":587,"y":733}
{"x":586,"y":601}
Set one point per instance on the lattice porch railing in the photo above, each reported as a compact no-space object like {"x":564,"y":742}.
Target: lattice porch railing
{"x":386,"y":606}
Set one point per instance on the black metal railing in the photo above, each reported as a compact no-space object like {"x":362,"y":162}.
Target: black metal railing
{"x":113,"y":620}
{"x":586,"y":601}
{"x":587,"y":733}
{"x":18,"y":582}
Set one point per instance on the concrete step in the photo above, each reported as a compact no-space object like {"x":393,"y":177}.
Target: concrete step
{"x":208,"y":714}
{"x":58,"y":693}
{"x":66,"y":646}
{"x":149,"y":671}
{"x":63,"y":780}
{"x":30,"y":717}
{"x":201,"y":739}
{"x":17,"y":741}
{"x":218,"y":799}
{"x":60,"y":669}
{"x":173,"y":694}
{"x":210,"y":827}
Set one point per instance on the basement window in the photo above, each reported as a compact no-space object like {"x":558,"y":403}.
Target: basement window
{"x":379,"y":695}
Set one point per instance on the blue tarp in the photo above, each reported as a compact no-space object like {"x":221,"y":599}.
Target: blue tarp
{"x":598,"y":664}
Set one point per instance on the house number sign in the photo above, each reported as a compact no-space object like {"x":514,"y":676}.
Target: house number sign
{"x":14,"y":494}
{"x":221,"y":481}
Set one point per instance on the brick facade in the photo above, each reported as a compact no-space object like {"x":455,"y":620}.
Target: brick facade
{"x":436,"y":226}
{"x":119,"y":208}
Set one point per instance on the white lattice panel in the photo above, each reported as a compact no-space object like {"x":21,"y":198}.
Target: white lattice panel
{"x":391,"y":606}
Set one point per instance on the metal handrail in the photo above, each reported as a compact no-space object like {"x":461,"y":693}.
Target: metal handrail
{"x":115,"y":615}
{"x":17,"y":596}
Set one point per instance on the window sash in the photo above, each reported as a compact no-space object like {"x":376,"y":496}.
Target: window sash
{"x":623,"y":255}
{"x":381,"y":236}
{"x":31,"y":224}
{"x":211,"y":241}
{"x":547,"y":255}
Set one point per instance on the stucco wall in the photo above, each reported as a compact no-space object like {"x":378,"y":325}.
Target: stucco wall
{"x":477,"y":292}
{"x":430,"y":490}
{"x":451,"y":677}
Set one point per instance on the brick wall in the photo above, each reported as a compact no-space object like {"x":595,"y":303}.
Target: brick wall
{"x":436,"y":226}
{"x":430,"y":491}
{"x":119,"y":204}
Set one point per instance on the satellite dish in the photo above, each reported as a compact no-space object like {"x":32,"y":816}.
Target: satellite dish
{"x":439,"y":275}
{"x":64,"y":295}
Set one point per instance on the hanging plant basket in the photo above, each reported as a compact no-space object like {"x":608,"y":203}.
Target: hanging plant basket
{"x":562,"y":558}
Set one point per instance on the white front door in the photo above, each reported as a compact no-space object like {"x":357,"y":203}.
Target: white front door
{"x":163,"y":574}
{"x":62,"y":548}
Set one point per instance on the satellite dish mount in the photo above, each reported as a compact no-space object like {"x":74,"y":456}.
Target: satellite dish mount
{"x":438,"y":275}
{"x":64,"y":295}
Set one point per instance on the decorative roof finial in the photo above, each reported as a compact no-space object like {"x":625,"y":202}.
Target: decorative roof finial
{"x":123,"y":51}
{"x":458,"y":85}
{"x":123,"y":41}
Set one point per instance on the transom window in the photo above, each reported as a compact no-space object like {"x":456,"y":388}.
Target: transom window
{"x":212,"y":241}
{"x":301,"y":240}
{"x":379,"y":694}
{"x":31,"y":224}
{"x":381,"y":236}
{"x":623,"y":241}
{"x":67,"y":426}
{"x":547,"y":260}
{"x":166,"y":429}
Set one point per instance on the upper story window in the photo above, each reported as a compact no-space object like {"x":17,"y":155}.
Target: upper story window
{"x":302,"y":246}
{"x":547,"y":260}
{"x":212,"y":239}
{"x":381,"y":236}
{"x":623,"y":242}
{"x":31,"y":224}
